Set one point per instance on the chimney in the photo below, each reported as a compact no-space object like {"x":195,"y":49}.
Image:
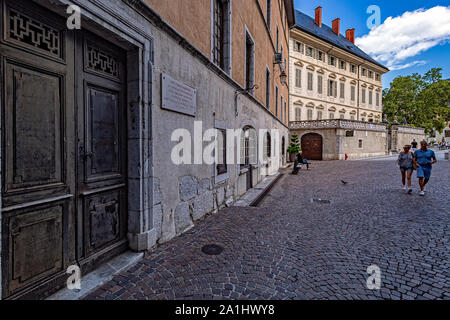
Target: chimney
{"x":335,"y":25}
{"x":319,"y":16}
{"x":350,"y":35}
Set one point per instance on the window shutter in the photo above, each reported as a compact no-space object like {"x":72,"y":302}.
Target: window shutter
{"x":335,"y":89}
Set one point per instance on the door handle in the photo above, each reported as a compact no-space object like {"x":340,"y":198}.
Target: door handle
{"x":89,"y":155}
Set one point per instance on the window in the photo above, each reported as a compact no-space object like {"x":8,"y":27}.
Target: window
{"x":332,"y":88}
{"x":298,"y":114}
{"x":342,"y":116}
{"x":342,"y":90}
{"x":364,"y":72}
{"x":281,"y":108}
{"x":370,"y":97}
{"x":377,"y":99}
{"x":377,"y":77}
{"x":285,"y":111}
{"x":310,"y":114}
{"x":267,"y":146}
{"x":331,"y":60}
{"x":309,"y":51}
{"x":276,"y":101}
{"x":298,"y":46}
{"x":249,"y":62}
{"x":298,"y":78}
{"x":331,"y":115}
{"x":319,"y":84}
{"x":363,"y":96}
{"x":353,"y":93}
{"x":310,"y":81}
{"x":342,"y":65}
{"x":363,"y":119}
{"x":248,"y":154}
{"x":360,"y":143}
{"x":353,"y":68}
{"x":319,"y":115}
{"x":219,"y":26}
{"x":268,"y":89}
{"x":352,"y":118}
{"x":222,"y":150}
{"x":269,"y":13}
{"x":278,"y":38}
{"x":319,"y":55}
{"x":370,"y":74}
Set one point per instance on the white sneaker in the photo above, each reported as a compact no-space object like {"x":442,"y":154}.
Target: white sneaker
{"x":422,"y":193}
{"x":404,"y":187}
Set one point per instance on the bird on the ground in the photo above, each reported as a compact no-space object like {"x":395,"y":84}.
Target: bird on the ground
{"x":344,"y":182}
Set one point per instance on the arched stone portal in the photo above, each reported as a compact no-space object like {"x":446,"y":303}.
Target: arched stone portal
{"x":312,"y":146}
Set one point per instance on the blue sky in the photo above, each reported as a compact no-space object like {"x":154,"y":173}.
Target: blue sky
{"x":407,"y":43}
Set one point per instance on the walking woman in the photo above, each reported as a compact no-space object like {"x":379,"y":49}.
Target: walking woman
{"x":405,"y":161}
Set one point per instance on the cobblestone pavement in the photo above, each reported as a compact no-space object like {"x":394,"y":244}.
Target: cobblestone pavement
{"x":293,"y":248}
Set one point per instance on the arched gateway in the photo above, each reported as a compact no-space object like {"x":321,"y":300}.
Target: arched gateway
{"x":312,"y":146}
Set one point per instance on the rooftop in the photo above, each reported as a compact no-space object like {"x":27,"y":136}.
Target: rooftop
{"x":307,"y":24}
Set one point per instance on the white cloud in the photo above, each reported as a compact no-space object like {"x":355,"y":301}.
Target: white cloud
{"x":407,"y":36}
{"x":407,"y":65}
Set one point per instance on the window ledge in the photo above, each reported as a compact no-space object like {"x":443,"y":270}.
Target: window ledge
{"x":221,"y":178}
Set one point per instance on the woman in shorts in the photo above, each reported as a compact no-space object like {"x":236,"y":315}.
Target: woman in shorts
{"x":405,"y":161}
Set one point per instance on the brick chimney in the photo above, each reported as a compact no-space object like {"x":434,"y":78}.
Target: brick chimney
{"x":335,"y":25}
{"x":319,"y":16}
{"x":350,"y":35}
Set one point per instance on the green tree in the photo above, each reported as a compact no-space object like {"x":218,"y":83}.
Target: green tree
{"x":420,"y":99}
{"x":294,"y":146}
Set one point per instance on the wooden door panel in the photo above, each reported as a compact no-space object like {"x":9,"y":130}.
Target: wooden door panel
{"x":312,"y":147}
{"x":38,"y":136}
{"x":33,"y":128}
{"x":36,"y":242}
{"x":103,"y":214}
{"x":103,"y":133}
{"x":102,"y":179}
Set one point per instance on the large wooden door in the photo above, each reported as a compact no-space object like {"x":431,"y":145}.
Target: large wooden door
{"x":101,"y":146}
{"x":38,"y":158}
{"x":64,"y":155}
{"x":312,"y":146}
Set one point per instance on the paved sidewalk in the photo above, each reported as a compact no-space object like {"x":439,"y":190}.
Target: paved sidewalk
{"x":292,"y":247}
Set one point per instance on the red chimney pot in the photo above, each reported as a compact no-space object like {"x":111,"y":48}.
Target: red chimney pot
{"x":350,"y":35}
{"x":335,"y":25}
{"x":319,"y":16}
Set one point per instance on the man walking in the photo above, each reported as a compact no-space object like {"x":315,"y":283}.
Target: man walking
{"x":424,"y":159}
{"x":414,"y":145}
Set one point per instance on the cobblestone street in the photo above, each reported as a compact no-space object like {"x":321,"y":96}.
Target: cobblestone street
{"x":291,"y":247}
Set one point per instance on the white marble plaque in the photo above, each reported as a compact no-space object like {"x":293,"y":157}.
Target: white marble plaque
{"x":177,"y":96}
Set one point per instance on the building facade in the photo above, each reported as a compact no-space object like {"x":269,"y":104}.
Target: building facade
{"x":331,"y":78}
{"x":90,"y":118}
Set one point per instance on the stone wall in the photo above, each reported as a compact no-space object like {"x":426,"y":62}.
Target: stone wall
{"x":403,"y":135}
{"x":187,"y":193}
{"x":336,"y":144}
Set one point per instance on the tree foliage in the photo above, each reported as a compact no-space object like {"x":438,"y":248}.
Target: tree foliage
{"x":294,"y":146}
{"x":423,"y":100}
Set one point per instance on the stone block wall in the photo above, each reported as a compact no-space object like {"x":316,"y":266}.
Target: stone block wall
{"x":403,"y":135}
